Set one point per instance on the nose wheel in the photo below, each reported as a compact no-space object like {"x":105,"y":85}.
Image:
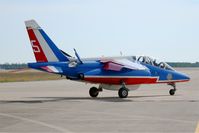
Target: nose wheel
{"x":172,"y":91}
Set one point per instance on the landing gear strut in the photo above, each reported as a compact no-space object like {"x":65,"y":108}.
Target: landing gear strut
{"x":123,"y":92}
{"x":172,"y":91}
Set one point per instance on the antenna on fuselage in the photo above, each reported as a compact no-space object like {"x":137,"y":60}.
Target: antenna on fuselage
{"x":121,"y":54}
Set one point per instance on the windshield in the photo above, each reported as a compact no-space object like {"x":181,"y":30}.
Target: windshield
{"x":154,"y":62}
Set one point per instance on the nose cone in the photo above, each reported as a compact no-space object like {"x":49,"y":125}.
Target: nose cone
{"x":181,"y":77}
{"x":187,"y":77}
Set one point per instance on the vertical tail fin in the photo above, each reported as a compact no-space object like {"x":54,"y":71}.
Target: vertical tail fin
{"x":43,"y":47}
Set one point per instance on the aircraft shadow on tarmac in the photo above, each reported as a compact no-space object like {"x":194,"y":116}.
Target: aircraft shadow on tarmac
{"x":79,"y":99}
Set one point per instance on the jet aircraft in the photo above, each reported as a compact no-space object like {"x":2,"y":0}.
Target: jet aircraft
{"x":121,"y":74}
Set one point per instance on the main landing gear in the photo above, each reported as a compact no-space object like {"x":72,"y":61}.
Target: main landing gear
{"x":123,"y":92}
{"x":172,"y":91}
{"x":94,"y":91}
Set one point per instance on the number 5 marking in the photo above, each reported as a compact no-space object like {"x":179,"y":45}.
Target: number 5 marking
{"x":35,"y":47}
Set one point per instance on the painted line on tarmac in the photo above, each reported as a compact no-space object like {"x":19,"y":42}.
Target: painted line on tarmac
{"x":138,"y":117}
{"x":37,"y":122}
{"x":131,"y":116}
{"x":197,"y":128}
{"x":142,"y":117}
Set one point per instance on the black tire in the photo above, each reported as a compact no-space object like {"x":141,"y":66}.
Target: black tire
{"x":123,"y":93}
{"x":172,"y":92}
{"x":93,"y":92}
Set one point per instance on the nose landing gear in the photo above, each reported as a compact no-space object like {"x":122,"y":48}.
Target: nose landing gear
{"x":172,"y":91}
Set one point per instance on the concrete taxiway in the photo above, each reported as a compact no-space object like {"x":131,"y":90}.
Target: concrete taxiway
{"x":65,"y":106}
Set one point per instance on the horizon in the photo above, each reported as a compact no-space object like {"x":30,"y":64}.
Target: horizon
{"x":20,"y":63}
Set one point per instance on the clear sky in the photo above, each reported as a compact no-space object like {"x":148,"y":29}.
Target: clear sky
{"x":163,"y":29}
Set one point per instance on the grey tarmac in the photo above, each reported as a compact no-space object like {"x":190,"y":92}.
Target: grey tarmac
{"x":65,"y":106}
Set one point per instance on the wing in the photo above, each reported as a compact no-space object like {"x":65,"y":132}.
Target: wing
{"x":119,"y":64}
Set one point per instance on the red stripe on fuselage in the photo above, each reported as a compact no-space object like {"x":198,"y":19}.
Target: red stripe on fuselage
{"x":39,"y":54}
{"x":127,"y":81}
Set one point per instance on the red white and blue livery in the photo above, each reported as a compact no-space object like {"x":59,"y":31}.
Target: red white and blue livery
{"x":115,"y":73}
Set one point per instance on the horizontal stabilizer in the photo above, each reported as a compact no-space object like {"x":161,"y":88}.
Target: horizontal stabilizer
{"x":52,"y":69}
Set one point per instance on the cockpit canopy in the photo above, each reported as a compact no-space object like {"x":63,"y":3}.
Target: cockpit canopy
{"x":154,"y":62}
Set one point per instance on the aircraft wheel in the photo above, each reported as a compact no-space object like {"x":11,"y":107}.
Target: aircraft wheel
{"x":172,"y":92}
{"x":123,"y":93}
{"x":93,"y":92}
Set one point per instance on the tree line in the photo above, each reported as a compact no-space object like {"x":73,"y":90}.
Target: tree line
{"x":8,"y":66}
{"x":183,"y":64}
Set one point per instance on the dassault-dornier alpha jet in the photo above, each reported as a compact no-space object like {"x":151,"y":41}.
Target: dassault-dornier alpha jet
{"x":116,"y":73}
